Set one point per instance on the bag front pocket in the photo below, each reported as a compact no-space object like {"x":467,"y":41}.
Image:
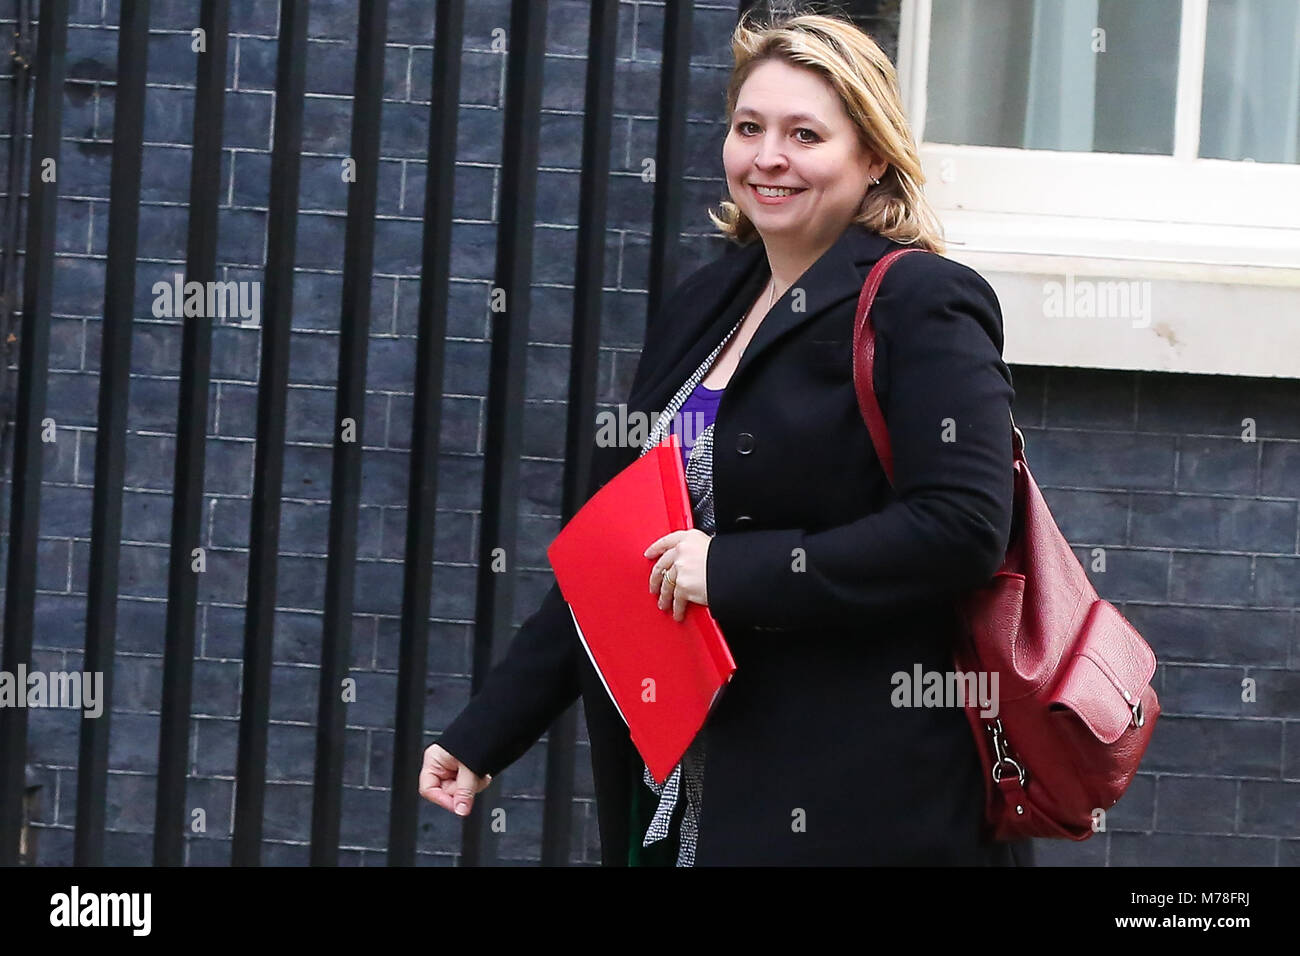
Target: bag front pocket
{"x":1107,"y":675}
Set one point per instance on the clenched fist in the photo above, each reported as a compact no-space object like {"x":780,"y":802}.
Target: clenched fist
{"x":446,"y":781}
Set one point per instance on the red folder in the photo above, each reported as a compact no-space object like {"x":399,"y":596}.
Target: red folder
{"x":663,"y":675}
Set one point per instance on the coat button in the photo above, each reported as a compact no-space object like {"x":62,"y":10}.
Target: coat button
{"x":744,"y":443}
{"x":742,"y":520}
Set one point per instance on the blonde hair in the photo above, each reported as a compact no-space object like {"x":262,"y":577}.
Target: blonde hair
{"x":867,"y":84}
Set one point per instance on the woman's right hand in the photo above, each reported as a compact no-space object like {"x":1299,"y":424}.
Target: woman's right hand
{"x":446,"y":781}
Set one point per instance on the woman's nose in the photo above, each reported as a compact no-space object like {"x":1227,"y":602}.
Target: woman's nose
{"x":770,"y":154}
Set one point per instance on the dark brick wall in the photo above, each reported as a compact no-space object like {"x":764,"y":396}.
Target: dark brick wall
{"x":1199,"y":529}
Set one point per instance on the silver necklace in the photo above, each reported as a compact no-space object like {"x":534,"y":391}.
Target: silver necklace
{"x":771,"y":297}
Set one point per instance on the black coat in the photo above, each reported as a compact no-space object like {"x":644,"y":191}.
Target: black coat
{"x":824,"y":579}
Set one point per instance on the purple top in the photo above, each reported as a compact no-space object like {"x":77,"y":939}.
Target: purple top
{"x":697,"y":413}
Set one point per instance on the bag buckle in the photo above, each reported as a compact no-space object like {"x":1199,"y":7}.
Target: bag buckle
{"x":1135,"y":706}
{"x":1003,"y":753}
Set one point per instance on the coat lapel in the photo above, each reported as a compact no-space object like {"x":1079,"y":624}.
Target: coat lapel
{"x":705,"y":321}
{"x":837,"y":275}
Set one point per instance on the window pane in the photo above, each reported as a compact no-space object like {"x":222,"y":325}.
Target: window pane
{"x":1251,"y":102}
{"x":1085,"y":75}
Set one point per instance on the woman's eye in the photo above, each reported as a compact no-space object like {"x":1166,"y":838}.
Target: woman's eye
{"x":743,"y":128}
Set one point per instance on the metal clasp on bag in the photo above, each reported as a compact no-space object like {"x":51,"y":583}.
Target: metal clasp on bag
{"x":1139,"y":718}
{"x":1002,"y":751}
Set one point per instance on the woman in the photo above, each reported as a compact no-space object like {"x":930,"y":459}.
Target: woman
{"x":827,"y":582}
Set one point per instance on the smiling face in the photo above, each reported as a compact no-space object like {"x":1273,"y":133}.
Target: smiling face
{"x":789,"y":129}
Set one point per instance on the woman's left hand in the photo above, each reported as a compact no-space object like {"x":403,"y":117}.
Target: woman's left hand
{"x":678,"y":575}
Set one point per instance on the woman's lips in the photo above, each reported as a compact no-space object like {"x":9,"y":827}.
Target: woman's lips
{"x":773,"y":200}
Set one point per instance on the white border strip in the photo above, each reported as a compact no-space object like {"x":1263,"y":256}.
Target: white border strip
{"x":1191,"y":79}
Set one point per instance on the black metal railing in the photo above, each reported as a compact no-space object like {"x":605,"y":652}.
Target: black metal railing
{"x":504,"y":415}
{"x":187,"y":480}
{"x":33,"y":366}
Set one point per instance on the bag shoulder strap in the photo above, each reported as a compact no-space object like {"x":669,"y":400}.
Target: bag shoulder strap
{"x":864,"y":363}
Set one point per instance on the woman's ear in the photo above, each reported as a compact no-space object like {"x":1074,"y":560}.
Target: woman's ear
{"x":876,"y":165}
{"x":876,"y":171}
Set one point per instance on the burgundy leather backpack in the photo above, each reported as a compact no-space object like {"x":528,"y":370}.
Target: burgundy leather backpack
{"x":1076,"y":708}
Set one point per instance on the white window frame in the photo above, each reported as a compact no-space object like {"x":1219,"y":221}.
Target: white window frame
{"x":1209,"y":234}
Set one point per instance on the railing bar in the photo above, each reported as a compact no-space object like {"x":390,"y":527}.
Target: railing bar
{"x":33,"y":369}
{"x":426,"y":431}
{"x":268,"y":464}
{"x":110,"y":431}
{"x":589,"y":280}
{"x":674,"y":89}
{"x":191,"y":441}
{"x":503,"y":442}
{"x":349,"y":417}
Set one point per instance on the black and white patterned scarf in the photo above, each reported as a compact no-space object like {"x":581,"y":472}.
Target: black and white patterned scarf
{"x":688,"y":775}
